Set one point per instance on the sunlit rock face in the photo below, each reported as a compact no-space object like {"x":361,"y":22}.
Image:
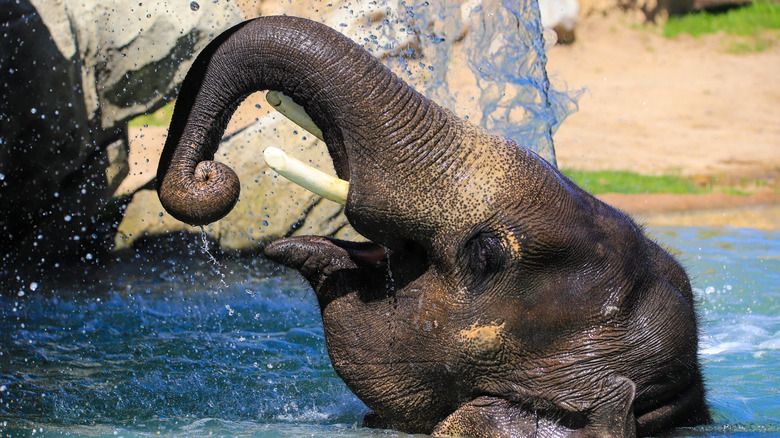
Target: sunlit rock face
{"x":478,"y":58}
{"x":73,"y":74}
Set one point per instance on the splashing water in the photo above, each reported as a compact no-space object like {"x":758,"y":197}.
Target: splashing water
{"x":147,"y":347}
{"x":216,"y":266}
{"x":502,"y":43}
{"x":504,"y":47}
{"x":516,"y":96}
{"x":150,"y":346}
{"x":736,"y":279}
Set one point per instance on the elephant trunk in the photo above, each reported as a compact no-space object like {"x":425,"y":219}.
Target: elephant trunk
{"x":349,"y":94}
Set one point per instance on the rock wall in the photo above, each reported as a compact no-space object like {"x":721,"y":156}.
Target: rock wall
{"x":74,"y":72}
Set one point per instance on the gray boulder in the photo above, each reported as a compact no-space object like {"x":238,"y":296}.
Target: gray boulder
{"x":74,"y":72}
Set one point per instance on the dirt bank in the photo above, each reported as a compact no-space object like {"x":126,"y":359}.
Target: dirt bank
{"x":655,"y":105}
{"x":683,"y":106}
{"x":758,"y":210}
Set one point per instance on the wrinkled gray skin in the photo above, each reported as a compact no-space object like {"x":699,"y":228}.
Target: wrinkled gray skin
{"x":510,"y":301}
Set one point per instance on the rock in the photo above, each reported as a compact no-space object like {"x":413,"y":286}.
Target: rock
{"x":655,"y":9}
{"x":560,"y":16}
{"x":74,"y":72}
{"x":85,"y":69}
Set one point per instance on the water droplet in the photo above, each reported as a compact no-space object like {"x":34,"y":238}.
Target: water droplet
{"x":33,"y":110}
{"x":33,"y":286}
{"x":194,"y":6}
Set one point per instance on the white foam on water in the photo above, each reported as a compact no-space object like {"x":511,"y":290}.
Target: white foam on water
{"x":771,"y":344}
{"x":724,"y":347}
{"x":305,"y":416}
{"x":737,"y":337}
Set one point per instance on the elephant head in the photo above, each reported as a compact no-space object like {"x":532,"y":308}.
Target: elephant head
{"x":495,"y":297}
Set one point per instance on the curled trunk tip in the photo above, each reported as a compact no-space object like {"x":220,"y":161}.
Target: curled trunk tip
{"x":202,"y":196}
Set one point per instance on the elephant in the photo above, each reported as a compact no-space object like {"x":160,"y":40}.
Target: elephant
{"x":493,"y":297}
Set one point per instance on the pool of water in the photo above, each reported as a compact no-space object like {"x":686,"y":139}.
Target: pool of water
{"x":173,"y":343}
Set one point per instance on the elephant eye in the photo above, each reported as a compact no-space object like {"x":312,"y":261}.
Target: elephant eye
{"x":484,"y":255}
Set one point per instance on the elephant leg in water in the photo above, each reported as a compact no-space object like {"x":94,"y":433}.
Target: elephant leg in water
{"x":520,"y":304}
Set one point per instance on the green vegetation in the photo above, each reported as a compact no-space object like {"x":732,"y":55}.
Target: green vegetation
{"x":752,"y":28}
{"x":609,"y":181}
{"x":743,"y":21}
{"x":161,"y":117}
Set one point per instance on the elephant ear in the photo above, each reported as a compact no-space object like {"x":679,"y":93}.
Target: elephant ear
{"x":492,"y":417}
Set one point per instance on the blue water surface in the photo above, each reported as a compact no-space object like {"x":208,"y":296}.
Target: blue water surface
{"x":178,"y":344}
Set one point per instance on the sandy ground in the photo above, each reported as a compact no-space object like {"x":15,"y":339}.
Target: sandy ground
{"x":682,"y":106}
{"x":654,"y":106}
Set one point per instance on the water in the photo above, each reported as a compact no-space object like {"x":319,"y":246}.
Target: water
{"x":736,"y":275}
{"x":501,"y":42}
{"x":170,"y":343}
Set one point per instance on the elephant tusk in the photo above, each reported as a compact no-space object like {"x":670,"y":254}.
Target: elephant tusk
{"x":293,"y":111}
{"x":329,"y":187}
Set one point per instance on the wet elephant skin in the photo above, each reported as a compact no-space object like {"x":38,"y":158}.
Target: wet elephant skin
{"x":495,"y":298}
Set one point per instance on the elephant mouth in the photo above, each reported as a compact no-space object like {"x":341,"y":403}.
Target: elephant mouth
{"x":318,"y":254}
{"x":335,"y":267}
{"x":318,"y":258}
